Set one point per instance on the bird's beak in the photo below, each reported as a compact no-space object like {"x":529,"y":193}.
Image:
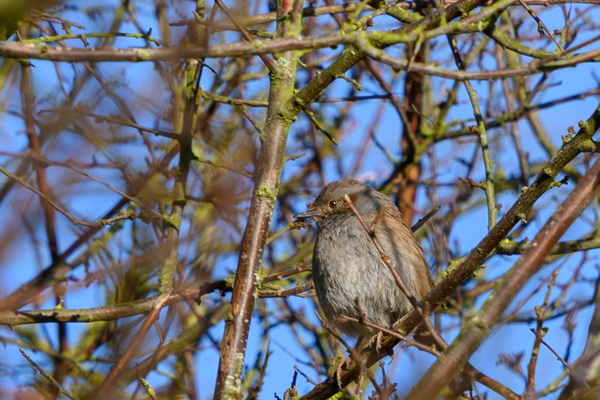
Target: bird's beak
{"x":310,"y":214}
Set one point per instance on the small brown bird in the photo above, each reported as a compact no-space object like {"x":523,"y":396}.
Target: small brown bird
{"x":347,"y":266}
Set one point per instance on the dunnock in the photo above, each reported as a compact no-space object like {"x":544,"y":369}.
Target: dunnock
{"x":346,"y":264}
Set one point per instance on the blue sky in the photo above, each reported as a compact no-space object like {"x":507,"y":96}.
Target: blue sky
{"x":140,"y":81}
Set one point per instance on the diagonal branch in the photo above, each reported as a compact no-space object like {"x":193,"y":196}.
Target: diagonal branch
{"x":477,"y":328}
{"x":486,"y":247}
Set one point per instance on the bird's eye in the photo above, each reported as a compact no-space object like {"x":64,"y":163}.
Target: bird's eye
{"x":332,"y":204}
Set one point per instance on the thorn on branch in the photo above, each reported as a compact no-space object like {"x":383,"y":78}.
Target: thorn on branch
{"x":472,"y":183}
{"x":376,"y":220}
{"x":426,"y":218}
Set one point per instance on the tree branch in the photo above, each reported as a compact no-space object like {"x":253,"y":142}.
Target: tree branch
{"x":476,"y":329}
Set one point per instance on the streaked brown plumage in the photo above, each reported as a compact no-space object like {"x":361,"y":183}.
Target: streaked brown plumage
{"x":347,"y":265}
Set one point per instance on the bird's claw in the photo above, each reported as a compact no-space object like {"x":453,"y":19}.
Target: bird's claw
{"x":377,"y":339}
{"x":337,"y":373}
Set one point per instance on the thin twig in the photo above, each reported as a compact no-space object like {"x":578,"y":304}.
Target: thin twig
{"x":46,"y":375}
{"x":48,"y":200}
{"x":558,"y":357}
{"x":266,"y":59}
{"x":399,"y":281}
{"x":541,"y":25}
{"x":417,"y":225}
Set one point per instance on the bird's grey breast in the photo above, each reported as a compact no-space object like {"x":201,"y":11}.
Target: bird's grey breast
{"x":343,"y":256}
